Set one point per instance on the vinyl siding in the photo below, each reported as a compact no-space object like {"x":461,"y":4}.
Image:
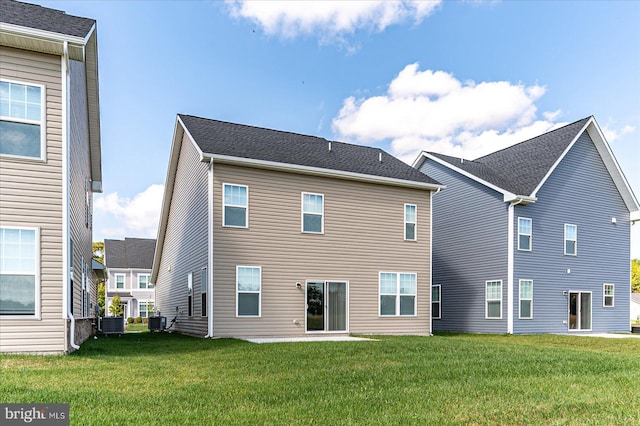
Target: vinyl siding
{"x":581,"y":192}
{"x":130,"y":293}
{"x":469,"y":248}
{"x":363,"y":235}
{"x":185,"y":245}
{"x":31,"y":194}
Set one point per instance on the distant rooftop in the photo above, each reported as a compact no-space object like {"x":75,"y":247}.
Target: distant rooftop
{"x":134,"y":253}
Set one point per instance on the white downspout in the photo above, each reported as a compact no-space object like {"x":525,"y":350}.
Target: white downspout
{"x":67,"y":291}
{"x":510,"y":267}
{"x":431,"y":262}
{"x":210,"y":250}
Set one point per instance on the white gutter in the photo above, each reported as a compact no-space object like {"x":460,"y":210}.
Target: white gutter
{"x":66,"y":235}
{"x":510,"y":267}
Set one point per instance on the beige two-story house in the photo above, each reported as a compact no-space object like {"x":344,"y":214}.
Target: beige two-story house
{"x":50,"y":166}
{"x":270,"y":233}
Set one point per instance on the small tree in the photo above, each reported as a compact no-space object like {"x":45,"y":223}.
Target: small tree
{"x":635,"y":276}
{"x":101,"y":295}
{"x":116,"y":309}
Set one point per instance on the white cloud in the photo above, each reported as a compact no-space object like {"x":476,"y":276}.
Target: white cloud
{"x":119,"y":217}
{"x":613,"y":134}
{"x":433,"y":110}
{"x":329,"y":20}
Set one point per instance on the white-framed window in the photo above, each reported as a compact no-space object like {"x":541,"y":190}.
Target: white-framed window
{"x":190,"y":294}
{"x":248,"y":291}
{"x":203,"y":292}
{"x":570,"y":239}
{"x":119,"y":280}
{"x":19,"y":274}
{"x":525,"y":292}
{"x":312,"y":213}
{"x":22,"y":120}
{"x":493,"y":299}
{"x":524,"y":233}
{"x":436,"y":301}
{"x":410,"y":222}
{"x":143,"y":281}
{"x":608,"y":293}
{"x":398,"y":292}
{"x":235,"y":206}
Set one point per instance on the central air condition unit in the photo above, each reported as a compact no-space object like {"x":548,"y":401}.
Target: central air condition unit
{"x":157,"y":323}
{"x":112,"y":325}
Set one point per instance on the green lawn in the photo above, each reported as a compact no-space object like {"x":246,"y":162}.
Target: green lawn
{"x":169,"y":379}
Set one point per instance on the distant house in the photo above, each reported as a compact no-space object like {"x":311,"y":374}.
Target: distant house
{"x":635,"y":306}
{"x":534,"y":238}
{"x":50,"y":167}
{"x":128,"y":263}
{"x":270,"y":233}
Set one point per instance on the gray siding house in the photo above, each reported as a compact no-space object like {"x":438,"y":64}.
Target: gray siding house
{"x":50,"y":166}
{"x":270,"y":233}
{"x":534,"y":238}
{"x":128,"y":270}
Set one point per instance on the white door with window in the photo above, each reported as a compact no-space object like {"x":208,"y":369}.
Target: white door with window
{"x":326,"y":303}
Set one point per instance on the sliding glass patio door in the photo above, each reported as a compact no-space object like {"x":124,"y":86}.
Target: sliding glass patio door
{"x":326,"y":306}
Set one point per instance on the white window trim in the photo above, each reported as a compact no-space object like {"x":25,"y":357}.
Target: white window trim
{"x":115,"y":281}
{"x":302,"y":213}
{"x":246,"y":208}
{"x":397,"y":295}
{"x":530,"y":234}
{"x":253,"y":292}
{"x":37,"y":313}
{"x":415,"y":223}
{"x":439,"y":302}
{"x":487,"y":300}
{"x":148,"y":282}
{"x":604,"y":296}
{"x":146,"y":302}
{"x":190,"y":294}
{"x":520,"y":299}
{"x":203,"y":290}
{"x":41,"y":123}
{"x":565,"y":240}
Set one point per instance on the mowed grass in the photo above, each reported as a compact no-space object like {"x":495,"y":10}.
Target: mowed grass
{"x":169,"y":379}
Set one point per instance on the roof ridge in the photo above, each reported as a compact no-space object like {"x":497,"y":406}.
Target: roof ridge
{"x":535,"y":137}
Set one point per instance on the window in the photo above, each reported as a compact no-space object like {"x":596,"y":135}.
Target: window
{"x":203,"y":290}
{"x":493,"y":296}
{"x":526,"y":299}
{"x":312,"y":213}
{"x":18,"y":271}
{"x":248,"y":286}
{"x":143,"y":281}
{"x":119,"y":280}
{"x":397,"y":294}
{"x":190,"y":294}
{"x":235,"y":212}
{"x":87,"y":203}
{"x":436,"y":295}
{"x":571,"y":239}
{"x":410,"y":213}
{"x":145,"y":308}
{"x":608,"y":293}
{"x":524,"y":234}
{"x":21,"y":126}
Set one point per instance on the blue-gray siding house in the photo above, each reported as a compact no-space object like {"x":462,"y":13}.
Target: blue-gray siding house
{"x":534,"y":238}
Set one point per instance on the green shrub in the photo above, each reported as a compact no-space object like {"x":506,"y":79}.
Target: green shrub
{"x":139,"y":320}
{"x":130,"y":320}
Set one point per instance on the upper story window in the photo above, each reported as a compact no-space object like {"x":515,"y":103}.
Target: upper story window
{"x":18,"y":271}
{"x":410,"y":220}
{"x":571,"y":239}
{"x":120,"y":280}
{"x":235,"y":211}
{"x":398,"y":294}
{"x":21,"y":120}
{"x":524,"y":234}
{"x":143,"y":281}
{"x":312,"y":213}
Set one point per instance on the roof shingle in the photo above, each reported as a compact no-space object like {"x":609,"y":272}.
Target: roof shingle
{"x":43,"y":18}
{"x":135,"y":253}
{"x":242,"y":141}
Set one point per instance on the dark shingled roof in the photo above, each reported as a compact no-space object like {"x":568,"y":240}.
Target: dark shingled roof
{"x":238,"y":140}
{"x":43,"y":18}
{"x":135,"y":253}
{"x":521,"y":167}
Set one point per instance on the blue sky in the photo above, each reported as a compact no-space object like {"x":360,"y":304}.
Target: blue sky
{"x":463,"y":78}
